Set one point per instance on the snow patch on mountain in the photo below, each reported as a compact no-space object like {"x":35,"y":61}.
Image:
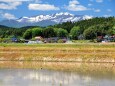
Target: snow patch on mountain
{"x":57,"y":18}
{"x":45,"y":20}
{"x":85,"y":17}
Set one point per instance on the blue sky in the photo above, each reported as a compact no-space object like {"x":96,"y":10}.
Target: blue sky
{"x":13,"y":9}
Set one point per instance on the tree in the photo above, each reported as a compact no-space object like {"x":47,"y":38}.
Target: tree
{"x":89,"y":33}
{"x":28,"y":34}
{"x":66,"y":25}
{"x":37,"y":32}
{"x":112,"y":31}
{"x":75,"y":32}
{"x":62,"y":32}
{"x":49,"y":32}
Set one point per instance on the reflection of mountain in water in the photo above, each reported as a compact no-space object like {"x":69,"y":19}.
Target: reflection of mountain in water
{"x":29,"y":77}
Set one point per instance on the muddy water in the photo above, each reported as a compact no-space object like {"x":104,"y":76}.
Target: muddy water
{"x":56,"y":74}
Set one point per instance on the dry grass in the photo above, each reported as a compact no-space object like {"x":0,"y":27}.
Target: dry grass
{"x":90,"y":69}
{"x":89,"y":52}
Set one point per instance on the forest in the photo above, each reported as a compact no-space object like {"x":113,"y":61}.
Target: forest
{"x":85,"y":29}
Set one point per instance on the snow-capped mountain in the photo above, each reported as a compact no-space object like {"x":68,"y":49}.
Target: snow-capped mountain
{"x":44,"y":20}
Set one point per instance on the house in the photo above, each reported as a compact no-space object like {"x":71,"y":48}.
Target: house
{"x":54,"y":39}
{"x":99,"y":38}
{"x":106,"y":38}
{"x":39,"y":38}
{"x":51,"y":40}
{"x":81,"y":37}
{"x":34,"y":42}
{"x":14,"y":39}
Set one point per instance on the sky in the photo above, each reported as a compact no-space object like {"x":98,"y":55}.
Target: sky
{"x":14,"y":9}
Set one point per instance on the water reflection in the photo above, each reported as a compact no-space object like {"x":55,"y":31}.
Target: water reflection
{"x":32,"y":77}
{"x":53,"y":75}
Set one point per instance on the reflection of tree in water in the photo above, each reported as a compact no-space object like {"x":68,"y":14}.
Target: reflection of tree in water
{"x":41,"y":77}
{"x":96,"y":70}
{"x":58,"y":74}
{"x":51,"y":76}
{"x":1,"y":82}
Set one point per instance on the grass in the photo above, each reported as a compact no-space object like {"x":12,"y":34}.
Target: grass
{"x":78,"y":52}
{"x":81,"y":41}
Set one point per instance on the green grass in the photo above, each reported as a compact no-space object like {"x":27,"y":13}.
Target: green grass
{"x":61,"y":44}
{"x":81,"y":41}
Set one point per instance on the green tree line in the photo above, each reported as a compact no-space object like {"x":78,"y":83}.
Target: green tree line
{"x":89,"y":29}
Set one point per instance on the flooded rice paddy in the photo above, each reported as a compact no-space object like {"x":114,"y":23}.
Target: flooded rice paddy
{"x":56,"y":74}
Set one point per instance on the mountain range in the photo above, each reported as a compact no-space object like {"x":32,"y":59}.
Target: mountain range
{"x":44,"y":20}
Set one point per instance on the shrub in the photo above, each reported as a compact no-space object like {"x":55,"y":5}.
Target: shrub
{"x":61,"y":41}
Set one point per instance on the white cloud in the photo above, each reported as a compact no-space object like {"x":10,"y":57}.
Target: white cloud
{"x":99,"y":1}
{"x":10,"y":5}
{"x":8,"y":16}
{"x":74,"y":5}
{"x":74,"y":2}
{"x":107,"y":15}
{"x":90,"y":4}
{"x":87,"y":17}
{"x":42,"y":7}
{"x":97,"y":10}
{"x":76,"y":8}
{"x":109,"y":10}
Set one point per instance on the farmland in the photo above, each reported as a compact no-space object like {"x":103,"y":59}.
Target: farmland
{"x":78,"y":52}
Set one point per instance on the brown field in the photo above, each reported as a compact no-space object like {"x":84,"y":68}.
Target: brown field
{"x":84,"y":52}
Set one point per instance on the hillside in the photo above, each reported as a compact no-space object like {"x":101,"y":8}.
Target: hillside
{"x":85,"y":24}
{"x":90,"y":29}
